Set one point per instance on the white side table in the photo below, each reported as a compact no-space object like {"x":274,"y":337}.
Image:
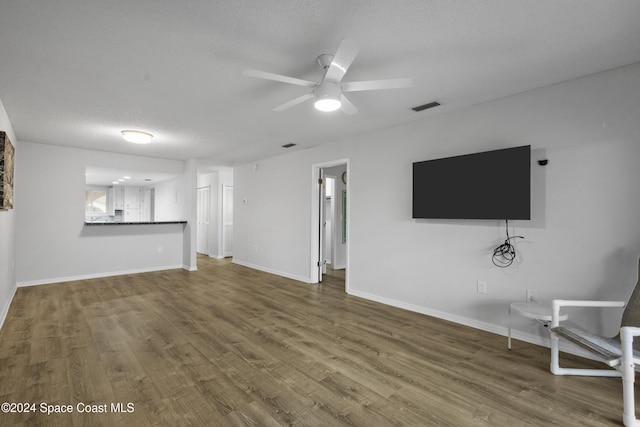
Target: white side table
{"x":532,"y":310}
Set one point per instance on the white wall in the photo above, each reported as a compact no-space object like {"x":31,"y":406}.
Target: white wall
{"x":7,"y":234}
{"x":53,"y":244}
{"x":170,"y":200}
{"x":271,"y":214}
{"x":583,"y":240}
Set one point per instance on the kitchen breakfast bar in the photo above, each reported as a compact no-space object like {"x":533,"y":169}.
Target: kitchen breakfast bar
{"x":112,"y":223}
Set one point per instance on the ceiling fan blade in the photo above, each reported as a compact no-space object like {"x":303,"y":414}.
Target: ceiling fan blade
{"x":293,"y":102}
{"x":343,"y":58}
{"x":376,"y":84}
{"x":347,"y":107}
{"x":277,"y":77}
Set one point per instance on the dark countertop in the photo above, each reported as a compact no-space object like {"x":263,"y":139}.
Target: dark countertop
{"x":135,"y":223}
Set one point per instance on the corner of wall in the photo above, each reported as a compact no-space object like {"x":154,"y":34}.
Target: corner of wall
{"x":5,"y":309}
{"x":7,"y":235}
{"x":189,"y":255}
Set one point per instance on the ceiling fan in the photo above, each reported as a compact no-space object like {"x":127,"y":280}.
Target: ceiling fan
{"x":329,"y":93}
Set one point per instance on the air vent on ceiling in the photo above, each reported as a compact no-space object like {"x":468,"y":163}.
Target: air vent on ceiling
{"x":426,"y":106}
{"x":289,"y":145}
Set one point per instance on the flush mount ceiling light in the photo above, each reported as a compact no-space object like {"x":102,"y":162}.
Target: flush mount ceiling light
{"x":136,"y":136}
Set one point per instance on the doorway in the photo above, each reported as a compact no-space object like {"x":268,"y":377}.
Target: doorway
{"x":330,"y":221}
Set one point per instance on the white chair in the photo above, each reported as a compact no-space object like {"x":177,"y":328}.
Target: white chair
{"x":617,"y":352}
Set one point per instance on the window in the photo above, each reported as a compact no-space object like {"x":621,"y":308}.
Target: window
{"x":95,"y":202}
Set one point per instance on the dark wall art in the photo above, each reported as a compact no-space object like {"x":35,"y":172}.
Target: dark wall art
{"x":7,"y":154}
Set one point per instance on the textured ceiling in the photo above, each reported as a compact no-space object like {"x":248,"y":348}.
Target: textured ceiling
{"x":75,"y":73}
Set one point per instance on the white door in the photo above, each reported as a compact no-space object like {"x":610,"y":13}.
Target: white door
{"x":227,"y":220}
{"x":202,"y":232}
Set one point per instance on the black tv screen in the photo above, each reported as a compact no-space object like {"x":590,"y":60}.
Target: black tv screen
{"x":488,"y":185}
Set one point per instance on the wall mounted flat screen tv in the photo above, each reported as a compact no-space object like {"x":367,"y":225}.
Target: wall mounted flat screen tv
{"x":488,"y":185}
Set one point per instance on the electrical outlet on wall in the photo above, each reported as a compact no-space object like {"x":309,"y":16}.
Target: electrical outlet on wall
{"x":532,"y":296}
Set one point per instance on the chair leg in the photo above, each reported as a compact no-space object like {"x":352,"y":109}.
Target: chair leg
{"x":628,"y":378}
{"x":629,"y":408}
{"x":555,"y":355}
{"x":557,"y":370}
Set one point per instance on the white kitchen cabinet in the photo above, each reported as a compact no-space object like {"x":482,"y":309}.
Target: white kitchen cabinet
{"x":118,"y":198}
{"x":132,"y":197}
{"x":132,"y":215}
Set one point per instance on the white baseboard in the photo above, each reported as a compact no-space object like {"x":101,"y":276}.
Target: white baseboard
{"x":95,"y":275}
{"x":430,"y":312}
{"x":269,"y":270}
{"x":565,"y":347}
{"x":190,"y":268}
{"x":210,"y":255}
{"x":5,"y":309}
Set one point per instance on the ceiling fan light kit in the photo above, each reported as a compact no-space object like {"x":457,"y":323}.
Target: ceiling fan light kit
{"x":328,"y":94}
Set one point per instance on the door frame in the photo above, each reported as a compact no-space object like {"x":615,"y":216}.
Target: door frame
{"x":315,"y":218}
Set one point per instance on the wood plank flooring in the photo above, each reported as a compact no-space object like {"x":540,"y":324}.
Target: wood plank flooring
{"x":227,"y":345}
